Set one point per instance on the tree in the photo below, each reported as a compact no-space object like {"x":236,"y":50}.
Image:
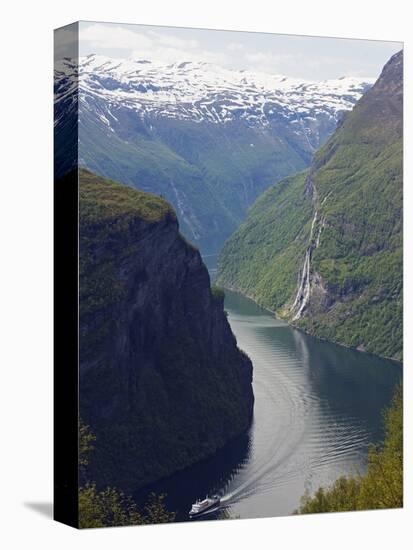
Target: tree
{"x":381,"y":486}
{"x":111,"y":507}
{"x":108,"y":508}
{"x":155,"y":510}
{"x":86,"y":439}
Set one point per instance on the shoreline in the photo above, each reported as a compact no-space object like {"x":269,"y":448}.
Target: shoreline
{"x":274,"y":314}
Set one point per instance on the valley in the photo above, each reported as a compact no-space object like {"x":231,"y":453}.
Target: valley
{"x":323,"y":248}
{"x":207,"y":139}
{"x":241,"y":276}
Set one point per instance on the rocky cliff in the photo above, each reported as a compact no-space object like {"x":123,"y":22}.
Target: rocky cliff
{"x":324,"y":248}
{"x":162,"y":382}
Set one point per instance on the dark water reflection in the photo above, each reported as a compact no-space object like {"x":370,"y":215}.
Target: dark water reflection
{"x":317,"y":408}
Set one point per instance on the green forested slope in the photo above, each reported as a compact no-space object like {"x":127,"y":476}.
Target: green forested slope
{"x":324,"y":248}
{"x":210,"y":174}
{"x":263,"y":257}
{"x":382,"y":485}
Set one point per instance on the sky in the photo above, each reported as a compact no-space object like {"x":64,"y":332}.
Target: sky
{"x":312,"y":58}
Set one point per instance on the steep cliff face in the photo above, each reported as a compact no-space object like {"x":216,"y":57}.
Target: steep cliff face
{"x":162,"y":382}
{"x":324,"y":248}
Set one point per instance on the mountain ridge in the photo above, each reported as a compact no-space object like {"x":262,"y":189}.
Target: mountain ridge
{"x":185,"y":89}
{"x":209,"y":140}
{"x":323,"y":248}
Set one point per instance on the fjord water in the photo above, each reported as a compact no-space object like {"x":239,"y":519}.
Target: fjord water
{"x":317,"y":408}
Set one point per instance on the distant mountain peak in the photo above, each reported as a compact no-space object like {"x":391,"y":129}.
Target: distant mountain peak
{"x":209,"y":139}
{"x":202,"y":91}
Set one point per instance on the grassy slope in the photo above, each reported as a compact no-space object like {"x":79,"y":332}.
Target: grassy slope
{"x":106,"y":209}
{"x":105,"y":201}
{"x":264,"y":255}
{"x":210,"y":174}
{"x":357,"y":191}
{"x":236,"y":164}
{"x":153,"y":167}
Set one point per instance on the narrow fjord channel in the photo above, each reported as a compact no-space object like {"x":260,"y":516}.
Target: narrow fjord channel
{"x":317,"y":408}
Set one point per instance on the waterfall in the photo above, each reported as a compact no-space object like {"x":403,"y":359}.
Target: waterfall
{"x":187,"y":216}
{"x":303,"y":294}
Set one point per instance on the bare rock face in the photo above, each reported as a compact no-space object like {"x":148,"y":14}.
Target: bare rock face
{"x":162,"y":382}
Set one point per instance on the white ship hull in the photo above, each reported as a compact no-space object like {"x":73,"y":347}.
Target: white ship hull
{"x":204,"y":505}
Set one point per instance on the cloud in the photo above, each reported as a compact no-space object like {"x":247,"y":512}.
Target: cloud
{"x":235,"y":47}
{"x":173,"y":41}
{"x":270,"y":62}
{"x":113,"y":36}
{"x":145,"y":44}
{"x":300,"y":57}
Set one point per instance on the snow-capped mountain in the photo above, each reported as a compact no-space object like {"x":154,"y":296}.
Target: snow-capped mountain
{"x":205,"y":92}
{"x":208,"y":138}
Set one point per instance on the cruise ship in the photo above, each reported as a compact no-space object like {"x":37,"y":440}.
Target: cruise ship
{"x":203,"y":505}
